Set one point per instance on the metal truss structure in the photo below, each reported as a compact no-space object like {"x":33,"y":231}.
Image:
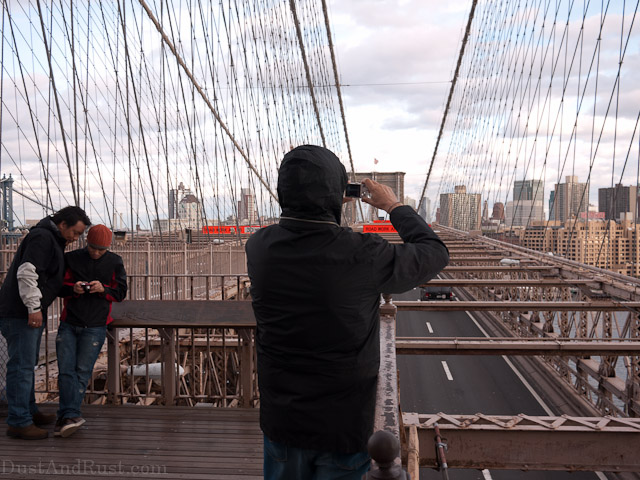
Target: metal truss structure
{"x":579,"y":322}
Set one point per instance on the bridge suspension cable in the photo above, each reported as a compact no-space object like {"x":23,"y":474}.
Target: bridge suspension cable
{"x":143,"y":97}
{"x":540,"y":96}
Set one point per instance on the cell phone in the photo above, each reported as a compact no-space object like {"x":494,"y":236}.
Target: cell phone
{"x":353,"y":190}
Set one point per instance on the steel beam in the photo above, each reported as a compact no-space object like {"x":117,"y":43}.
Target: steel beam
{"x":514,"y":306}
{"x":530,"y":443}
{"x":505,"y":282}
{"x":493,"y":260}
{"x":499,"y":268}
{"x":509,"y":346}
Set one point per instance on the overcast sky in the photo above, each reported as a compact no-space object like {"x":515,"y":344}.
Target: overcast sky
{"x":389,"y":52}
{"x":396,"y":60}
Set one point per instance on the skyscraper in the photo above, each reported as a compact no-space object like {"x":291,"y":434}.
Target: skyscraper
{"x":247,"y":207}
{"x":569,"y":199}
{"x":523,"y":212}
{"x":527,"y":204}
{"x":498,"y":211}
{"x":460,"y":210}
{"x":175,"y":196}
{"x":617,"y":200}
{"x":528,"y":190}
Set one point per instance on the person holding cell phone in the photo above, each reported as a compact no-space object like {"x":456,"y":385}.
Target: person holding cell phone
{"x":94,"y":278}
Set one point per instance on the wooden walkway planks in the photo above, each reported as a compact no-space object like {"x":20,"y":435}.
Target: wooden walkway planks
{"x":156,"y":442}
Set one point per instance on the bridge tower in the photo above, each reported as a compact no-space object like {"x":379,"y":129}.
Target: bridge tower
{"x":7,"y":201}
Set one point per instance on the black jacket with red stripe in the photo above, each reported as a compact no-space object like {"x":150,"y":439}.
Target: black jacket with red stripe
{"x":92,"y":309}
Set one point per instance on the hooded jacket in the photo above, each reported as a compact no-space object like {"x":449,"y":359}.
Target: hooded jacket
{"x":315,"y":288}
{"x":36,"y":272}
{"x":92,"y":309}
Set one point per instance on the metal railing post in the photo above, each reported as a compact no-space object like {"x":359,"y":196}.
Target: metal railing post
{"x":169,"y":368}
{"x":246,"y":367}
{"x":113,"y":365}
{"x":384,"y":444}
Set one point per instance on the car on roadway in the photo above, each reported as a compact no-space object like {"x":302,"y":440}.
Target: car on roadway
{"x":436,"y":293}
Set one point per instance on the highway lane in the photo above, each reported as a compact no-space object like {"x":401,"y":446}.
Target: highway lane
{"x":464,"y":384}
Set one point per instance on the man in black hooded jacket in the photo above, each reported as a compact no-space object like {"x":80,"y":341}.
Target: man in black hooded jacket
{"x":30,"y":286}
{"x":316,"y":290}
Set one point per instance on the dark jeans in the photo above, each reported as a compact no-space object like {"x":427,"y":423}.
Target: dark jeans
{"x":77,"y":349}
{"x":286,"y":463}
{"x":23,"y":343}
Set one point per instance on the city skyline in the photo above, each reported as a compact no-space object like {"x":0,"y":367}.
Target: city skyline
{"x":527,"y":204}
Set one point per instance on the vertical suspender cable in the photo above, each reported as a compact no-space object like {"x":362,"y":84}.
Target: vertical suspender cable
{"x":193,"y":80}
{"x":292,"y":4}
{"x":337,"y":80}
{"x":55,"y":94}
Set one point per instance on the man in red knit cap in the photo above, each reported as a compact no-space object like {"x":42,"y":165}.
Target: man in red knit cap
{"x":94,"y":277}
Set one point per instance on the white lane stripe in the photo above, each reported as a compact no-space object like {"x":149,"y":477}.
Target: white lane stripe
{"x":485,"y":473}
{"x":446,"y":370}
{"x":518,"y":374}
{"x":429,"y":327}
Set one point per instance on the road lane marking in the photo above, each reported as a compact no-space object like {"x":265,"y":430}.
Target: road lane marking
{"x":446,"y":370}
{"x":485,"y":473}
{"x":429,"y":327}
{"x":518,"y":374}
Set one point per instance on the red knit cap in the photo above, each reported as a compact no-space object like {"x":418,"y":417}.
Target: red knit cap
{"x":99,"y":236}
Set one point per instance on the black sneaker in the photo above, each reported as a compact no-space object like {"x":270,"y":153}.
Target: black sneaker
{"x":69,"y":426}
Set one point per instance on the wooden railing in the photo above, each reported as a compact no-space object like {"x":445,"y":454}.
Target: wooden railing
{"x":202,"y":286}
{"x":203,"y":352}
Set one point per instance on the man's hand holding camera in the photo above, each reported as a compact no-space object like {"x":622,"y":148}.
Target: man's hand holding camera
{"x":80,"y":288}
{"x":378,"y":195}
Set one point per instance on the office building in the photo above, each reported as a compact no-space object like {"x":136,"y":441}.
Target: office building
{"x":523,"y":212}
{"x":568,"y":200}
{"x":527,"y":205}
{"x":460,"y":210}
{"x":498,"y":211}
{"x":615,"y":201}
{"x":532,"y":190}
{"x":247,"y":213}
{"x":600,"y":243}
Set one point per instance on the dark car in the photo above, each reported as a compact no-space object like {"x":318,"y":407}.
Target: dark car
{"x":436,"y":293}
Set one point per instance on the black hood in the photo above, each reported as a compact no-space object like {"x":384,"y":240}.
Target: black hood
{"x":48,"y":224}
{"x":311,"y":184}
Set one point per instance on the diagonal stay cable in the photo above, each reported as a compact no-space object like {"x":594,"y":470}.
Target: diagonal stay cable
{"x":29,"y":106}
{"x":337,"y":82}
{"x":193,"y":80}
{"x":446,"y":110}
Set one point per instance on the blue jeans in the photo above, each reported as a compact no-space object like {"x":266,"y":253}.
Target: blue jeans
{"x":77,"y":349}
{"x":23,"y":343}
{"x":286,"y":463}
